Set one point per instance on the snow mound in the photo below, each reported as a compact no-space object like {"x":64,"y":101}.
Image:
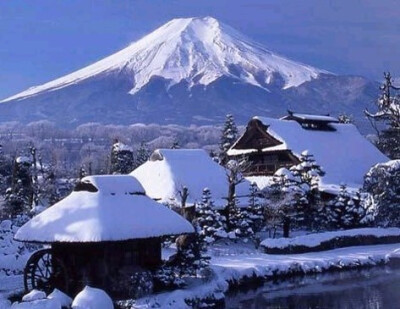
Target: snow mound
{"x":34,"y":295}
{"x":38,"y":304}
{"x":62,"y":298}
{"x":92,"y":298}
{"x":195,"y":50}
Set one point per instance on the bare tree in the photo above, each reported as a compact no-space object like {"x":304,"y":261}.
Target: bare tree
{"x":234,"y":172}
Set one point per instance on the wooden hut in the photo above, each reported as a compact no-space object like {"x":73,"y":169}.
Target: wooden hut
{"x":342,"y":152}
{"x":106,"y":230}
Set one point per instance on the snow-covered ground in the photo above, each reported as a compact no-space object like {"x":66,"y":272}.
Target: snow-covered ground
{"x":231,"y":263}
{"x":236,"y":263}
{"x":314,"y":240}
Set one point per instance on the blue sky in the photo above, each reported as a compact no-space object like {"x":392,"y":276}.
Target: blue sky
{"x":44,"y":39}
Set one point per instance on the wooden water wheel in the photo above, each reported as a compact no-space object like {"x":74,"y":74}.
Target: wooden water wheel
{"x":43,"y":271}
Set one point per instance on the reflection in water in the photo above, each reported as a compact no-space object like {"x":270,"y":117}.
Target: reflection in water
{"x":374,"y":288}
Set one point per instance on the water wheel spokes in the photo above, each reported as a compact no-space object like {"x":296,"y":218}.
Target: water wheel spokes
{"x":45,"y":272}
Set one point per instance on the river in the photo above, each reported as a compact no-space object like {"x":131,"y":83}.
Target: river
{"x":372,"y":288}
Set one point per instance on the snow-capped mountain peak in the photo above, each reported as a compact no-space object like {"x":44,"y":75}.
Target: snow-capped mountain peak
{"x":195,"y":50}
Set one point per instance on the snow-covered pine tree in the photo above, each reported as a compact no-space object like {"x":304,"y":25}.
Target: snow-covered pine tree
{"x":191,"y":257}
{"x":229,"y":135}
{"x":19,"y":196}
{"x":387,"y":114}
{"x":256,"y":209}
{"x":382,"y":182}
{"x":50,"y":186}
{"x":208,"y":219}
{"x":142,"y":154}
{"x":306,"y":178}
{"x":349,"y":210}
{"x":336,"y":209}
{"x":241,"y":222}
{"x":285,"y":194}
{"x":121,"y":159}
{"x":358,"y":211}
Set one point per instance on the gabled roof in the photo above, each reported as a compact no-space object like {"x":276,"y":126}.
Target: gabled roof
{"x":168,"y":170}
{"x":344,"y":154}
{"x":117,"y":211}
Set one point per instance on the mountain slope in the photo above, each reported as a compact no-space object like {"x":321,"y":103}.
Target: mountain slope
{"x":190,"y":70}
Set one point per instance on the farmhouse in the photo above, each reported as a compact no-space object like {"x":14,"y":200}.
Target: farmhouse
{"x":343,"y":153}
{"x":101,"y":234}
{"x":168,"y":171}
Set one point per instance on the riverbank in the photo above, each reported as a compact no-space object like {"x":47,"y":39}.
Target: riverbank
{"x":234,"y":266}
{"x":240,"y":265}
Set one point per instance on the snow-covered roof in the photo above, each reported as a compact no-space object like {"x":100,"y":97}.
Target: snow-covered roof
{"x":344,"y":154}
{"x":168,"y":170}
{"x":314,"y":117}
{"x":119,"y":210}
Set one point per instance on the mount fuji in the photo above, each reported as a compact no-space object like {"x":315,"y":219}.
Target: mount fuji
{"x":189,"y":71}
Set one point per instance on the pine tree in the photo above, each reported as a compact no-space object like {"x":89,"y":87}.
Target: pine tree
{"x":382,"y":182}
{"x":19,"y":196}
{"x":241,"y":222}
{"x":192,"y":258}
{"x":306,"y":177}
{"x":142,"y":154}
{"x":121,"y":159}
{"x":388,"y":114}
{"x":229,"y":136}
{"x":348,"y":211}
{"x":336,"y":209}
{"x":256,"y":209}
{"x":209,"y":220}
{"x":286,"y":193}
{"x":297,"y":195}
{"x":358,"y":213}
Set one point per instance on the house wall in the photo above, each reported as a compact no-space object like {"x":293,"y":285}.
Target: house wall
{"x":265,"y":164}
{"x":108,"y":265}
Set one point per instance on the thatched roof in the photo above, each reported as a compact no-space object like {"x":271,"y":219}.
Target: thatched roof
{"x":105,"y":208}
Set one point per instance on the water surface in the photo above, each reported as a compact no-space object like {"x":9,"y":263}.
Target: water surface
{"x":373,"y":288}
